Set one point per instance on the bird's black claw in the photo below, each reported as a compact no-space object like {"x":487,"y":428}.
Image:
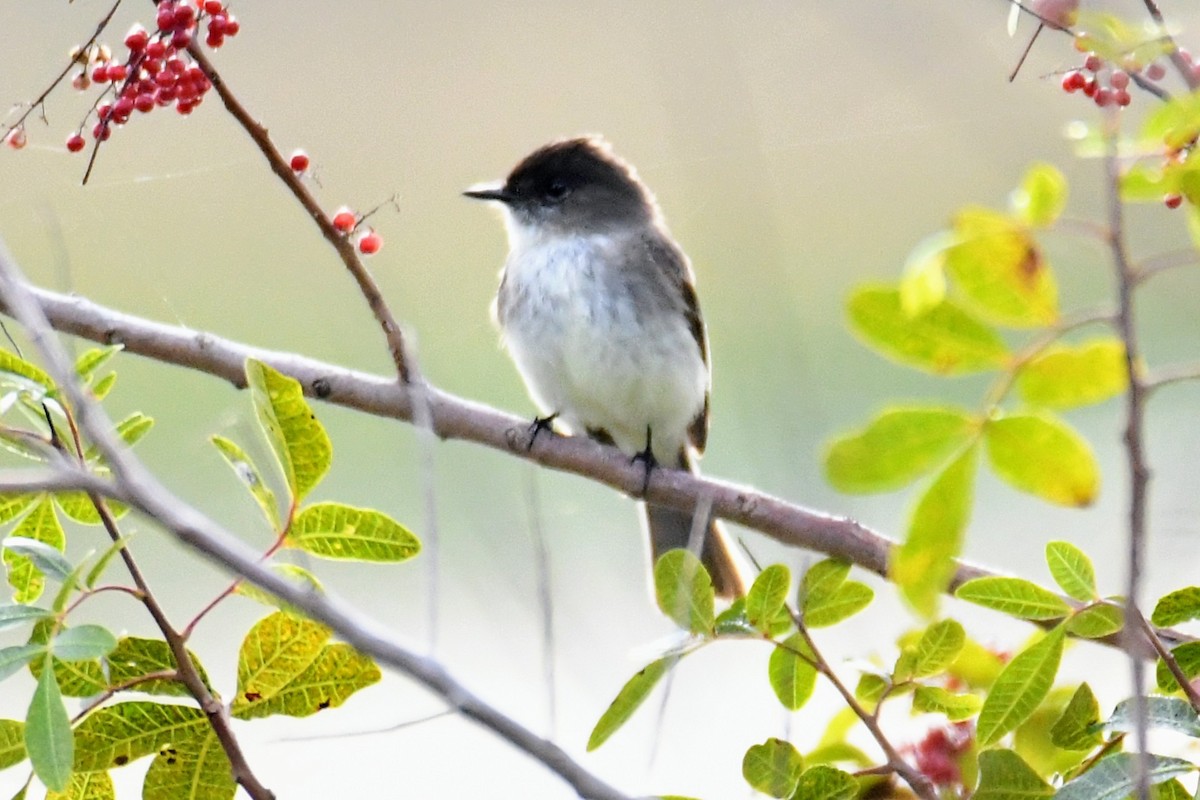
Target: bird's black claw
{"x":538,"y":425}
{"x":647,"y":459}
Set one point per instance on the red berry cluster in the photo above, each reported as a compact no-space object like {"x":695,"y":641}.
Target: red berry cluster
{"x":1106,"y":86}
{"x":157,"y":72}
{"x":937,"y":755}
{"x":344,"y":221}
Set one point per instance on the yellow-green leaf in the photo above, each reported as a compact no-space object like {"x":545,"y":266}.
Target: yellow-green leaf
{"x":12,"y":742}
{"x":1096,"y":621}
{"x":923,"y":284}
{"x":94,"y":358}
{"x":791,"y":672}
{"x":28,"y":376}
{"x":1003,"y":775}
{"x":135,"y":657}
{"x":936,"y":700}
{"x":1072,"y":570}
{"x":924,"y":564}
{"x":944,"y":339}
{"x":897,"y":447}
{"x":195,"y":768}
{"x":251,"y":477}
{"x":1181,"y":605}
{"x":276,"y":649}
{"x":1075,"y":729}
{"x":337,"y":672}
{"x":823,"y":782}
{"x":296,"y":437}
{"x":1042,"y":455}
{"x":1015,"y":596}
{"x":1069,"y":375}
{"x":684,"y":591}
{"x":767,"y":596}
{"x":75,"y":678}
{"x":24,"y":576}
{"x":1000,"y":269}
{"x":844,"y":602}
{"x":1187,"y":656}
{"x":333,"y":530}
{"x":87,"y":786}
{"x":632,"y":695}
{"x":773,"y":767}
{"x":1021,"y":686}
{"x":117,"y":734}
{"x":1040,"y":199}
{"x":939,"y":646}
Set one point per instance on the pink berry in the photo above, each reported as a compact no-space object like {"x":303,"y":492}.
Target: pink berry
{"x":344,"y":220}
{"x":1173,"y":200}
{"x":1122,"y":97}
{"x":1156,"y":71}
{"x":1104,"y":97}
{"x":299,"y":161}
{"x":1119,"y":79}
{"x":370,"y":243}
{"x":80,"y":80}
{"x":16,"y":138}
{"x":75,"y":143}
{"x":1093,"y":63}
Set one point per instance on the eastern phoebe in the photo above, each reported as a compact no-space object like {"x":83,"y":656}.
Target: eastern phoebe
{"x":597,"y":306}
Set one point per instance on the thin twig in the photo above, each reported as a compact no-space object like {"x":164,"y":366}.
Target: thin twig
{"x":1172,"y":663}
{"x":1139,"y":471}
{"x":1177,"y":60}
{"x":1172,"y":373}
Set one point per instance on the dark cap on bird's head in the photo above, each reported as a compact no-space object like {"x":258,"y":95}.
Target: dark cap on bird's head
{"x":573,"y":183}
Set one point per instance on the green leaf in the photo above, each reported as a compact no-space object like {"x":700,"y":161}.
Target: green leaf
{"x":1116,"y":40}
{"x":48,"y":737}
{"x":734,"y":622}
{"x":870,"y":687}
{"x":1171,"y":713}
{"x":849,"y":598}
{"x":684,"y":591}
{"x":1074,"y":729}
{"x":12,"y":616}
{"x":94,"y":358}
{"x":1021,"y":686}
{"x":1003,"y":775}
{"x":83,"y":643}
{"x":767,"y":596}
{"x":1187,"y":656}
{"x":1042,"y":455}
{"x":337,"y":672}
{"x":936,"y":700}
{"x":924,"y":564}
{"x":1042,"y":196}
{"x":79,"y":506}
{"x":251,"y":477}
{"x":1112,"y":777}
{"x":13,"y":659}
{"x":87,"y":786}
{"x":298,"y":440}
{"x":1170,"y":790}
{"x":13,"y":505}
{"x":791,"y":671}
{"x":12,"y":742}
{"x":939,"y":646}
{"x":945,"y":339}
{"x":34,"y":550}
{"x":923,"y":284}
{"x":896,"y":448}
{"x":1000,"y":269}
{"x":1014,"y":596}
{"x":75,"y":678}
{"x":632,"y":695}
{"x":135,"y":657}
{"x":101,"y":564}
{"x":277,"y":649}
{"x":102,"y":387}
{"x":333,"y":530}
{"x":773,"y":767}
{"x":195,"y":768}
{"x":29,"y":376}
{"x":823,"y":579}
{"x":1096,"y":621}
{"x":826,"y":783}
{"x":1179,"y":606}
{"x":293,"y":571}
{"x":115,"y":735}
{"x":1069,"y":376}
{"x":1072,"y":570}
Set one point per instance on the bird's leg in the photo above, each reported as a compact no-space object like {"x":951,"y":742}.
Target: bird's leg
{"x":538,"y":425}
{"x":648,"y":461}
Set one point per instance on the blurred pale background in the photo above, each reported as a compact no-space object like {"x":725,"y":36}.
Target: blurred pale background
{"x":796,"y":148}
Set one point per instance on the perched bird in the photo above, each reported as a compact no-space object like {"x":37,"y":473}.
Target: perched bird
{"x":597,"y":306}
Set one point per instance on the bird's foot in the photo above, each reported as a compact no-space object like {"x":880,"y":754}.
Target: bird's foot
{"x":647,"y":459}
{"x":538,"y":425}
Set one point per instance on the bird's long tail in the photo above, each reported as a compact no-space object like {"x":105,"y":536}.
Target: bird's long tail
{"x":671,"y":529}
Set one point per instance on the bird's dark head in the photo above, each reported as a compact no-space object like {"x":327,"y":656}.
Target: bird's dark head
{"x":573,"y":185}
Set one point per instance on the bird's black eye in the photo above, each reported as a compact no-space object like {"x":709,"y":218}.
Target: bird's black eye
{"x":557,"y":190}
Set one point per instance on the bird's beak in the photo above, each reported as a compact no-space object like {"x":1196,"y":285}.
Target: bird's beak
{"x":490,"y":191}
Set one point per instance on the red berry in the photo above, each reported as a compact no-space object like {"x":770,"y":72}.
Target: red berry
{"x":104,"y":111}
{"x":137,"y":38}
{"x":1073,"y":81}
{"x":214,"y":40}
{"x":299,"y":161}
{"x":185,"y":14}
{"x":1122,"y":97}
{"x":1104,"y":97}
{"x":101,"y":131}
{"x":1156,"y":71}
{"x":344,"y":220}
{"x":165,"y":95}
{"x":370,"y":243}
{"x":1119,"y":79}
{"x":185,"y":107}
{"x":1186,"y":55}
{"x":1173,"y":200}
{"x":165,"y":16}
{"x":118,"y":73}
{"x":232,"y":26}
{"x":176,"y":65}
{"x":75,"y":143}
{"x":213,"y":6}
{"x":1093,"y":63}
{"x":181,"y":38}
{"x":100,"y":74}
{"x":217,"y":23}
{"x":1090,"y":87}
{"x":123,"y":108}
{"x":156,"y":49}
{"x":144,"y":102}
{"x":16,"y":138}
